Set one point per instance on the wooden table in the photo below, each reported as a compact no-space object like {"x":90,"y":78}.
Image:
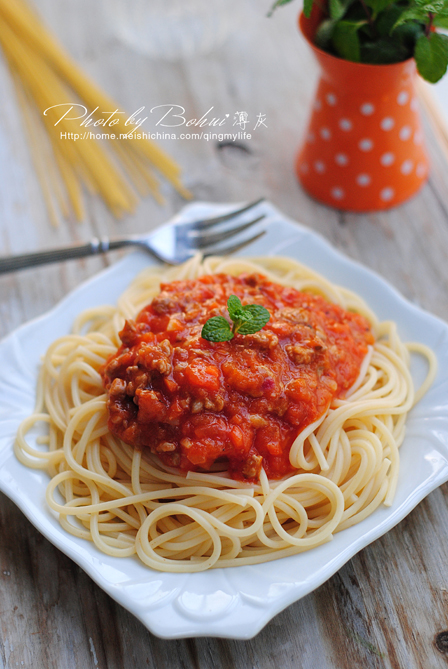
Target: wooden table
{"x":386,"y":606}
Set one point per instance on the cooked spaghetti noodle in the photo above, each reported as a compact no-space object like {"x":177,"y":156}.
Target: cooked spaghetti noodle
{"x":127,"y":502}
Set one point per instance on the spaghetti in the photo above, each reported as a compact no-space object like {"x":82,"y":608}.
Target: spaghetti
{"x":128,"y":502}
{"x":46,"y":79}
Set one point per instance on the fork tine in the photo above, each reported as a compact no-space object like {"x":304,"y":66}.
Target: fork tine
{"x":209,"y":222}
{"x":235,"y":247}
{"x":211,"y":239}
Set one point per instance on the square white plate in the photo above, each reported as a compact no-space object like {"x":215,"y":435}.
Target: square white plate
{"x":235,"y":602}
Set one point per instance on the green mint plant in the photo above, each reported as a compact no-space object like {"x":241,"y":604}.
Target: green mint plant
{"x":380,"y":32}
{"x":246,"y":320}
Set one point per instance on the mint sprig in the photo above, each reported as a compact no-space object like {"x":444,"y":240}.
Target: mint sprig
{"x":379,"y":32}
{"x":431,"y":56}
{"x":246,"y":320}
{"x":217,"y":329}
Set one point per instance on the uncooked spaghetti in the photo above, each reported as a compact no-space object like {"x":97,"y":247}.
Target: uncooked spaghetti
{"x":47,"y":81}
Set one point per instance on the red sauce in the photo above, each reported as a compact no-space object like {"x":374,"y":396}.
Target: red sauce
{"x":195,"y":402}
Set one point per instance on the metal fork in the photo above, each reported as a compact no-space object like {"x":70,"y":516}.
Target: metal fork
{"x":173,"y":243}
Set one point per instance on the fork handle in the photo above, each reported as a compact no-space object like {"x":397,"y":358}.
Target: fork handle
{"x":95,"y":246}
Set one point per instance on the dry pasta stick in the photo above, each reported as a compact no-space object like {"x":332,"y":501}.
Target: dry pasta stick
{"x":40,"y":80}
{"x":37,"y":147}
{"x":47,"y":72}
{"x":25,"y":23}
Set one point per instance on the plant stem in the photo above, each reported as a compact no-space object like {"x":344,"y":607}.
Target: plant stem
{"x":428,"y":25}
{"x":369,"y":17}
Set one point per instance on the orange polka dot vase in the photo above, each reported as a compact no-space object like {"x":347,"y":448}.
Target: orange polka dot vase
{"x":363,"y":149}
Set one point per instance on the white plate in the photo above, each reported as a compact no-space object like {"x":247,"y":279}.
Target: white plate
{"x":233,"y":603}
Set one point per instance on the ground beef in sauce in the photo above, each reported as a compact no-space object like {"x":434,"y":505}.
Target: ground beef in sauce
{"x":195,"y":402}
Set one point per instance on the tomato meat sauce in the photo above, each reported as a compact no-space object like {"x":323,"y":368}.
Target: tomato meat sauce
{"x":240,"y":402}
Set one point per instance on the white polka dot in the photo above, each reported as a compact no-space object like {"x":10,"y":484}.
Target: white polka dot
{"x":367,"y":109}
{"x":363,"y":179}
{"x":337,"y":193}
{"x":418,"y":137}
{"x":406,"y":167}
{"x":341,"y":159}
{"x":414,"y":104}
{"x":304,"y":168}
{"x":325,"y":133}
{"x":345,"y":124}
{"x":365,"y":144}
{"x":387,"y":159}
{"x":331,"y":99}
{"x":387,"y":194}
{"x":421,"y":170}
{"x":405,"y":132}
{"x":387,"y":123}
{"x":317,"y":104}
{"x":402,"y":98}
{"x":311,"y":137}
{"x":319,"y":166}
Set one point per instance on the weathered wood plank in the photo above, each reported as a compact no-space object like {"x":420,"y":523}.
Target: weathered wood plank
{"x":384,"y":608}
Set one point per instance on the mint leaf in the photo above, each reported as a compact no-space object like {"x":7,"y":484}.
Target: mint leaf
{"x":324,"y":32}
{"x":246,"y":320}
{"x":444,"y":11}
{"x":217,"y":329}
{"x":234,"y":307}
{"x":337,"y":9}
{"x":378,"y":6}
{"x":307,"y":7}
{"x":431,"y":56}
{"x":346,"y":41}
{"x":278,"y":3}
{"x":412,"y":14}
{"x":433,"y":6}
{"x":386,"y":21}
{"x":255,"y":318}
{"x":384,"y":50}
